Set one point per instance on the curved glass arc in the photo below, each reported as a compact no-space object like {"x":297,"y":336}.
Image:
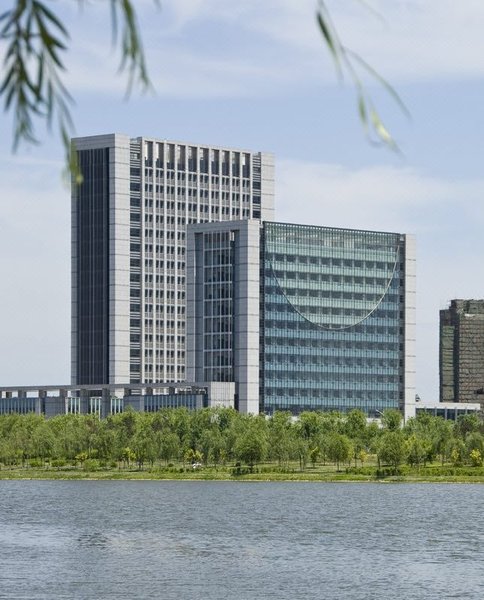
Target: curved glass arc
{"x":333,"y":280}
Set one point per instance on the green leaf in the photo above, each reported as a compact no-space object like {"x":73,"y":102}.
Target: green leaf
{"x":389,"y":88}
{"x":42,"y":8}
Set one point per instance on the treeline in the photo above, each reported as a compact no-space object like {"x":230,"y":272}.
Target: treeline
{"x":215,"y":437}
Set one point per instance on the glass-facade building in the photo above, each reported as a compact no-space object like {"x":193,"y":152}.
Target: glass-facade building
{"x":329,"y":315}
{"x":332,"y":319}
{"x":461,"y":351}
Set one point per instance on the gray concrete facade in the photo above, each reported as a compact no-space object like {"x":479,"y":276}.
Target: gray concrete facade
{"x":230,"y":289}
{"x":153,"y":189}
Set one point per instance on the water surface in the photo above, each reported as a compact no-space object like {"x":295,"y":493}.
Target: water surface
{"x":217,"y":540}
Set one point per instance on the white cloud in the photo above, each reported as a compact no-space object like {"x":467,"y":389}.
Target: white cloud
{"x":382,"y":197}
{"x":413,"y":39}
{"x":215,"y":48}
{"x":419,"y":39}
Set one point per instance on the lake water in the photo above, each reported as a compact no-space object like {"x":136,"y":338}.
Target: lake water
{"x":243,"y":541}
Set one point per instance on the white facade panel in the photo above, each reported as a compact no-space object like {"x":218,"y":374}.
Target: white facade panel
{"x":410,"y":327}
{"x":243,"y":339}
{"x":158,"y":187}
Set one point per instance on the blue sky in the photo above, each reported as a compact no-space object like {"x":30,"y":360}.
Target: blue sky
{"x":256,"y":74}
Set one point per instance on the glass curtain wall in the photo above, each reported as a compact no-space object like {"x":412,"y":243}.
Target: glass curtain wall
{"x":218,"y":265}
{"x":332,"y":319}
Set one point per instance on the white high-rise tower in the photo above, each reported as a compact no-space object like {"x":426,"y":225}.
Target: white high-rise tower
{"x":129,"y":219}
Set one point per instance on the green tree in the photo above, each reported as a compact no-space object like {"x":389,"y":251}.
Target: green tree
{"x":7,"y":451}
{"x":475,"y":458}
{"x":340,"y":448}
{"x":457,"y":452}
{"x":43,"y":441}
{"x":193,"y":456}
{"x":22,"y":435}
{"x":417,"y":449}
{"x":301,"y":451}
{"x":143,"y":442}
{"x":392,"y":448}
{"x":355,"y":424}
{"x":467,"y":424}
{"x":66,"y":430}
{"x":371,"y":435}
{"x":281,"y":439}
{"x":127,"y":456}
{"x":391,"y":419}
{"x":168,"y":445}
{"x":474,"y":442}
{"x":443,"y":437}
{"x":211,"y":445}
{"x":82,"y":457}
{"x":362,"y":456}
{"x":423,"y":432}
{"x":331,"y":422}
{"x":251,"y":447}
{"x":105,"y":441}
{"x":314,"y":454}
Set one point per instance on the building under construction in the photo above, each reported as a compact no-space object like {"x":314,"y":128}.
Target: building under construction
{"x":462,"y":352}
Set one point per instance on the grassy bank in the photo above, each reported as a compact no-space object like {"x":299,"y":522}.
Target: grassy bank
{"x":328,"y":473}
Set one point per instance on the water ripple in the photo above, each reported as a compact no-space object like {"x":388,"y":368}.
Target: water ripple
{"x":218,"y":540}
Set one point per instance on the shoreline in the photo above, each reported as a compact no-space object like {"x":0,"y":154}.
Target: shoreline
{"x":34,"y":475}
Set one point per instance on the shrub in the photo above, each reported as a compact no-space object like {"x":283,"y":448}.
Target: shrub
{"x":91,"y":464}
{"x":389,"y":472}
{"x":475,"y":458}
{"x":236,"y":471}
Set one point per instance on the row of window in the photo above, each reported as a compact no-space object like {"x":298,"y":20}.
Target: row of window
{"x":218,"y":374}
{"x":327,"y":377}
{"x":330,"y":261}
{"x":191,"y":178}
{"x":292,"y":281}
{"x":159,"y":309}
{"x":161,"y":249}
{"x":225,"y":193}
{"x":135,"y":338}
{"x":343,"y":393}
{"x":304,"y":237}
{"x":169,"y":324}
{"x":150,"y":353}
{"x":219,"y":162}
{"x":216,"y":342}
{"x":159,"y":294}
{"x":366,"y":345}
{"x":309,"y":361}
{"x":167,"y":369}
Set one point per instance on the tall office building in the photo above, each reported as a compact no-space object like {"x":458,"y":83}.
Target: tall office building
{"x":129,"y":219}
{"x":303,"y":317}
{"x":461,"y":352}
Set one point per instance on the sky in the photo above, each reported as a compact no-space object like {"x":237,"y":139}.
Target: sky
{"x":256,"y":74}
